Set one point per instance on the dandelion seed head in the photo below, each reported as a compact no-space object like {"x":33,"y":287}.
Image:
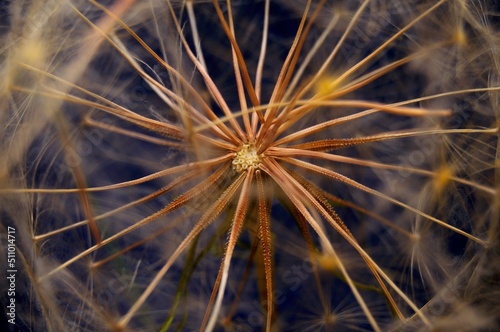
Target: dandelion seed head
{"x":246,"y":157}
{"x":460,"y":37}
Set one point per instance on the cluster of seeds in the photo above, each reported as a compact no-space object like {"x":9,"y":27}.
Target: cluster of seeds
{"x":246,"y":157}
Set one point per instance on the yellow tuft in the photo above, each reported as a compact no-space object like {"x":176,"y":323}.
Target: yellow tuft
{"x":32,"y":52}
{"x":326,"y":85}
{"x":460,"y":37}
{"x":442,"y":178}
{"x":327,"y":262}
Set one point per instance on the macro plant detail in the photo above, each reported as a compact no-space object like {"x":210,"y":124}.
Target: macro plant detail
{"x":269,"y":165}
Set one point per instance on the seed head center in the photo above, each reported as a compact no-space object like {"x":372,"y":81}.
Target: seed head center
{"x":246,"y":157}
